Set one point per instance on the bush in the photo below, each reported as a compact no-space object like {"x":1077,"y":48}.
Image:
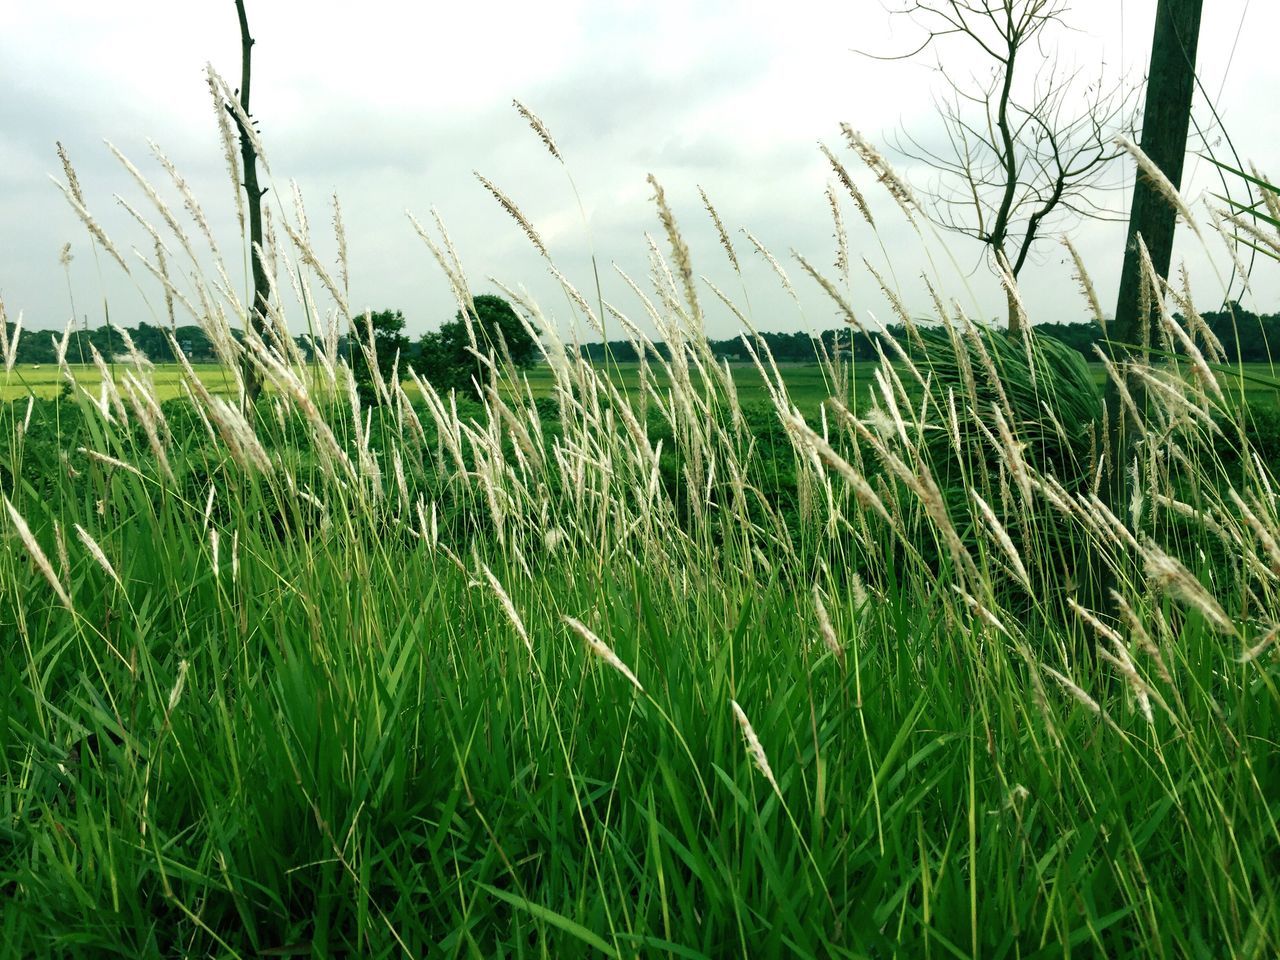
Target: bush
{"x":447,"y":359}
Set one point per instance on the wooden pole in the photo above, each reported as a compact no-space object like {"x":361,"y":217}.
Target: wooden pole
{"x":249,"y":160}
{"x":1166,"y":117}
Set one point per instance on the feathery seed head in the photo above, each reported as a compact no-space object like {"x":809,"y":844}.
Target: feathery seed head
{"x":754,"y":747}
{"x":38,"y":556}
{"x":1161,"y":182}
{"x":720,"y":230}
{"x":509,"y":205}
{"x":825,"y":629}
{"x":539,"y":128}
{"x":602,"y":650}
{"x":1172,"y":577}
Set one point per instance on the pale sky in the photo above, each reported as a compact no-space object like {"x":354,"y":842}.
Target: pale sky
{"x":392,"y":106}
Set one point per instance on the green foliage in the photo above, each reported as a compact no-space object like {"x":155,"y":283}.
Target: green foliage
{"x":378,"y":335}
{"x":447,"y":359}
{"x":326,"y":732}
{"x":37,"y":346}
{"x":1039,"y":385}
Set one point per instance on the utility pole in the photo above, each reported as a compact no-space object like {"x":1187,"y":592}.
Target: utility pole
{"x":1166,"y":117}
{"x":1165,"y":120}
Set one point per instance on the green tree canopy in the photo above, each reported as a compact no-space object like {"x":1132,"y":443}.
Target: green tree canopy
{"x":389,"y":342}
{"x":445,"y":357}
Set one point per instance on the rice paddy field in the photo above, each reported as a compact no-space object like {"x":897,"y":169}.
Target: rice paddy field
{"x":808,"y":384}
{"x":969,"y":653}
{"x":45,"y":381}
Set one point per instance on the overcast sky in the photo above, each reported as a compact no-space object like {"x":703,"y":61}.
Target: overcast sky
{"x":392,"y":106}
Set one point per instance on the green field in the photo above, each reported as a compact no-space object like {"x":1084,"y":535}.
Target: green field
{"x":45,"y":382}
{"x":808,"y":383}
{"x":569,"y":682}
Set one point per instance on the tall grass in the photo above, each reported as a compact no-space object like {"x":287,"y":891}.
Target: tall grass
{"x":448,"y":678}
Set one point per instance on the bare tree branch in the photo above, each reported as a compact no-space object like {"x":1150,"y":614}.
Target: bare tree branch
{"x":1016,"y":157}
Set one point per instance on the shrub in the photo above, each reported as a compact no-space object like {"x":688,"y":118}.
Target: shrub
{"x":450,"y":358}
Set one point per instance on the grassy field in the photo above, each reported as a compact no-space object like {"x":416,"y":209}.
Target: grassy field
{"x":486,"y":684}
{"x":709,"y":671}
{"x":45,"y":382}
{"x":808,"y":383}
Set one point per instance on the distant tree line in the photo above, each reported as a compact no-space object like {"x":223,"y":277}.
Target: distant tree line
{"x":445,"y":356}
{"x":39,"y":346}
{"x":1245,"y":336}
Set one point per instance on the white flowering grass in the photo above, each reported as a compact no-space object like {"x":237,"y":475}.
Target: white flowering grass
{"x":316,"y":677}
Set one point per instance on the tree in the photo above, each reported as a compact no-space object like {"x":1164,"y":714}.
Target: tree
{"x":385,"y":328}
{"x":249,"y":161}
{"x":446,"y":356}
{"x":1020,"y":156}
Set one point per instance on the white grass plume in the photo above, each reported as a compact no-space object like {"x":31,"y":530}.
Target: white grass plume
{"x":825,"y":628}
{"x":38,"y":556}
{"x":10,"y":346}
{"x":1168,"y":573}
{"x":843,"y":175}
{"x":602,"y":650}
{"x":679,"y":249}
{"x":508,"y":607}
{"x":540,"y":128}
{"x":754,"y":748}
{"x":1162,"y":183}
{"x":510,"y":206}
{"x":1086,"y":283}
{"x":720,"y":230}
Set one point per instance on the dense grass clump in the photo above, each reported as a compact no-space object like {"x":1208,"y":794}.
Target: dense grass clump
{"x":644,"y":672}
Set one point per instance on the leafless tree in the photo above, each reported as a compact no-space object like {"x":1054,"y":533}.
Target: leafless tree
{"x":1026,"y":147}
{"x":255,"y":193}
